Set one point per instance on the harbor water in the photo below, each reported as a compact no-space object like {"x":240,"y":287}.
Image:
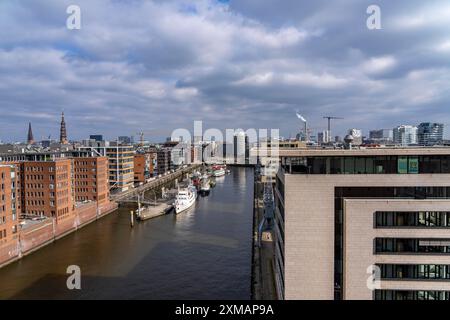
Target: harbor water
{"x":203,"y":253}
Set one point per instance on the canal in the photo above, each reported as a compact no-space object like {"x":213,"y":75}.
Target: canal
{"x":204,"y":253}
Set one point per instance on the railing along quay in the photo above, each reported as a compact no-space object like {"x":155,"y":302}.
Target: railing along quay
{"x":153,"y":184}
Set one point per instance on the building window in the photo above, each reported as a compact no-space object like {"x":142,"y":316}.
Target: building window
{"x":420,"y":219}
{"x":415,"y":271}
{"x":417,"y":246}
{"x":411,"y":295}
{"x":367,"y":164}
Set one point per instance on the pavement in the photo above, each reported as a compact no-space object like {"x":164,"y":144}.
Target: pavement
{"x":264,"y":278}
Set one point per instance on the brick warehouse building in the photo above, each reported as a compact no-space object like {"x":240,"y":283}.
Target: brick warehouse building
{"x":8,"y":205}
{"x":60,"y":195}
{"x":144,"y":166}
{"x":91,"y":179}
{"x":46,"y":188}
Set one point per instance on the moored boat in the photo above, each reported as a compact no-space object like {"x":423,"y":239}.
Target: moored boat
{"x":218,"y":171}
{"x":185,"y":198}
{"x":205,"y":186}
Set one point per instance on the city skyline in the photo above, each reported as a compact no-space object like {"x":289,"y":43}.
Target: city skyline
{"x":158,"y":66}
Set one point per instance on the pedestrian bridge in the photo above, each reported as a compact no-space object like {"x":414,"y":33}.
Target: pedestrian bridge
{"x":126,"y":196}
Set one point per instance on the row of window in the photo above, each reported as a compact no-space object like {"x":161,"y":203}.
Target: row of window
{"x":411,"y":295}
{"x":428,"y":219}
{"x":85,"y":190}
{"x":415,"y":271}
{"x":368,"y":165}
{"x":402,"y":245}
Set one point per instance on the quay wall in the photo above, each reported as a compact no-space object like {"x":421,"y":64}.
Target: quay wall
{"x":40,"y":234}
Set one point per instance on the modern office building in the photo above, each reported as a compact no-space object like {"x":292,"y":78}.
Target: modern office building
{"x":164,"y":161}
{"x":126,"y":140}
{"x":382,"y":136}
{"x":239,"y":143}
{"x":120,"y":162}
{"x":405,"y":135}
{"x":343,"y":214}
{"x":96,"y":137}
{"x":430,"y":134}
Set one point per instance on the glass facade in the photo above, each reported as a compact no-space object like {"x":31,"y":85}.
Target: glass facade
{"x":387,"y":193}
{"x":367,"y":165}
{"x":415,"y":271}
{"x":416,"y":246}
{"x":419,"y":219}
{"x":430,"y":134}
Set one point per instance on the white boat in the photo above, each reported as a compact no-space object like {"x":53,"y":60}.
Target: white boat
{"x":205,"y":186}
{"x":185,"y":199}
{"x":219,"y":172}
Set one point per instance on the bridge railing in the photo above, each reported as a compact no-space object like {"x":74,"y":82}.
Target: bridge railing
{"x":153,"y":184}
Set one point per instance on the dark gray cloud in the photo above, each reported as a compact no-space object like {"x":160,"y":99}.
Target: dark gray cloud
{"x":159,"y":65}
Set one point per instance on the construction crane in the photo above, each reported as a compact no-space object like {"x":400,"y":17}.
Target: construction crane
{"x":329,"y":122}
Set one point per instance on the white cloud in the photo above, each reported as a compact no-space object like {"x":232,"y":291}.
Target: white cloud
{"x":378,"y":65}
{"x":247,"y":64}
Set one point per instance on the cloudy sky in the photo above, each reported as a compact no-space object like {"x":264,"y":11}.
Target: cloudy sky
{"x":159,"y":65}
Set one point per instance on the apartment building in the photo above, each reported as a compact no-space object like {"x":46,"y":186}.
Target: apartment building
{"x":120,"y":162}
{"x":164,"y":160}
{"x":90,"y":179}
{"x":363,"y":224}
{"x":144,"y":166}
{"x":9,"y":219}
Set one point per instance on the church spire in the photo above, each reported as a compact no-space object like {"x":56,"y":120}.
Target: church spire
{"x":63,"y":132}
{"x":30,"y":139}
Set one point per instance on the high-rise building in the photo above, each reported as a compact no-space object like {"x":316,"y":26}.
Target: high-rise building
{"x":63,"y":131}
{"x":96,"y":137}
{"x":240,"y":147}
{"x":405,"y":135}
{"x":30,"y":138}
{"x":343,"y":216}
{"x":429,"y":134}
{"x":383,"y":136}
